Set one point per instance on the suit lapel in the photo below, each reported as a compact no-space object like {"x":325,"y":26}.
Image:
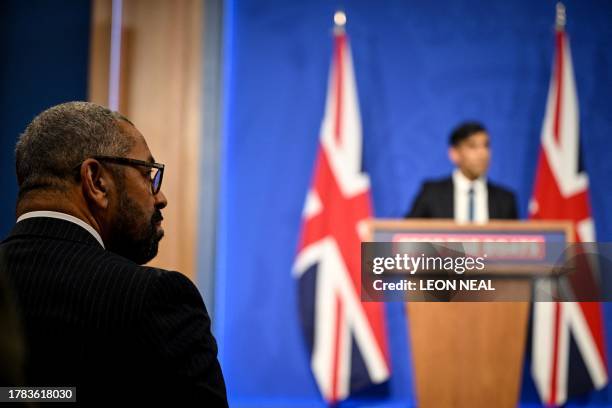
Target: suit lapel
{"x":447,"y":203}
{"x":491,"y":198}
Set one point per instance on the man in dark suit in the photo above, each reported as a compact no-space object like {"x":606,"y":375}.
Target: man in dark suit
{"x":88,"y":217}
{"x":466,"y":196}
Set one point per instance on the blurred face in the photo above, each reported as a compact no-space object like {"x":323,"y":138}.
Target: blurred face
{"x":136,"y":217}
{"x":472,"y":155}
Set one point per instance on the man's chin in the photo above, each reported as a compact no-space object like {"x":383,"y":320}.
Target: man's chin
{"x":148,"y":258}
{"x":141,"y":254}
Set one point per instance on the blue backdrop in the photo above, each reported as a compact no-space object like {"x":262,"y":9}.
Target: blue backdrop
{"x":421,"y":67}
{"x":45,"y":50}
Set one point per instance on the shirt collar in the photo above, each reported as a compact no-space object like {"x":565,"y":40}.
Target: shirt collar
{"x":65,"y":217}
{"x":463,"y":183}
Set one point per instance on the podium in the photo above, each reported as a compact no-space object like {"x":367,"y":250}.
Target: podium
{"x":468,"y":354}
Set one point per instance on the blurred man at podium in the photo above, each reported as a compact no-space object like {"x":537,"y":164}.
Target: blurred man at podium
{"x":467,"y":195}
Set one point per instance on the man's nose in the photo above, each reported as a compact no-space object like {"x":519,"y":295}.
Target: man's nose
{"x":160,"y":200}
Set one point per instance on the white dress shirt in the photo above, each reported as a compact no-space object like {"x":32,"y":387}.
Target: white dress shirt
{"x":65,"y":217}
{"x":461,"y":186}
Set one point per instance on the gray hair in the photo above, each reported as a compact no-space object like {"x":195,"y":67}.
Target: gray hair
{"x":60,"y":138}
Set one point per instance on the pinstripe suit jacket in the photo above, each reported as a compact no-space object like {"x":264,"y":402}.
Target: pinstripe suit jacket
{"x":112,"y":328}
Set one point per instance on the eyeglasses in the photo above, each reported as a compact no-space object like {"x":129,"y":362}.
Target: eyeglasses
{"x":156,"y":178}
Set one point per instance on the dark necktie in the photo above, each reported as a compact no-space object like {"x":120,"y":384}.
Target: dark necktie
{"x":471,"y":204}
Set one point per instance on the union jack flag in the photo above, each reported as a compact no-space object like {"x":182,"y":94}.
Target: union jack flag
{"x":346,"y":338}
{"x":568,"y":349}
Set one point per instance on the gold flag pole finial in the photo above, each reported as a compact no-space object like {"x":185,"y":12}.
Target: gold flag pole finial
{"x":560,"y":20}
{"x":339,"y":20}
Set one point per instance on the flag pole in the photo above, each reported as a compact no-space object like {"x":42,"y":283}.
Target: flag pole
{"x":560,"y":19}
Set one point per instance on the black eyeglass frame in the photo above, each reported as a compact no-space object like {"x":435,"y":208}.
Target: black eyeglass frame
{"x":135,"y":162}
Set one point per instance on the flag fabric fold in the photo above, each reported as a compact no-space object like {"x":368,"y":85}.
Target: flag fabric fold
{"x":568,"y":348}
{"x":345,"y":337}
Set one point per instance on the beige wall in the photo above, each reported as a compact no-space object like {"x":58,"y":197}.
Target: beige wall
{"x":160,"y":93}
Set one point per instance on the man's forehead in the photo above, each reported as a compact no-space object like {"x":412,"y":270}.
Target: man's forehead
{"x":140,"y":149}
{"x":478,"y":136}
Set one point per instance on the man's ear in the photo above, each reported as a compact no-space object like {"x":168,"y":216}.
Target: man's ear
{"x":95,"y":182}
{"x":453,"y":155}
